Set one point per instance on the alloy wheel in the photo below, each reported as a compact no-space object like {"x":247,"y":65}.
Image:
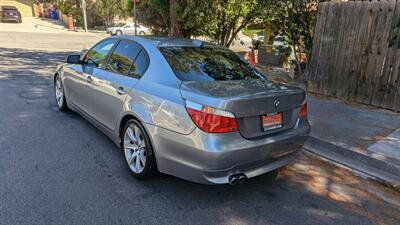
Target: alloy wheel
{"x":59,"y":93}
{"x":134,"y":148}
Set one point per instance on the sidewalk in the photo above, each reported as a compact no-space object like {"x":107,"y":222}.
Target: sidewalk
{"x":43,"y":25}
{"x":363,"y":138}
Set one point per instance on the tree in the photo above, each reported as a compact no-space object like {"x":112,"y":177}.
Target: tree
{"x":109,"y":9}
{"x":233,"y":16}
{"x":154,"y":14}
{"x":220,"y":19}
{"x":176,"y":25}
{"x":295,"y":19}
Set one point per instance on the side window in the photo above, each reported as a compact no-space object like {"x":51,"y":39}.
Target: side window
{"x":97,"y":55}
{"x":121,"y":60}
{"x":140,"y":65}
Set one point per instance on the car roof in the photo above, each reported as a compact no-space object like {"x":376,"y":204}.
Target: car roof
{"x":8,"y":7}
{"x":169,"y":41}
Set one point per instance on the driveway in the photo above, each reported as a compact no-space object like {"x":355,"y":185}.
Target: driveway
{"x":56,"y":168}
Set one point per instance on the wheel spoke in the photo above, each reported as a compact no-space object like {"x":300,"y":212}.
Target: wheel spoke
{"x":131,"y":135}
{"x":132,"y":159}
{"x":137,"y":161}
{"x":59,"y":93}
{"x":142,"y":144}
{"x":128,"y":145}
{"x":137,"y":135}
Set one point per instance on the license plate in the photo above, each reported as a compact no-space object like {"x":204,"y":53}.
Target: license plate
{"x":272,"y":121}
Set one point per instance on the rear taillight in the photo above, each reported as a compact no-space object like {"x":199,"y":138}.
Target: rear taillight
{"x":303,"y":110}
{"x":211,"y":120}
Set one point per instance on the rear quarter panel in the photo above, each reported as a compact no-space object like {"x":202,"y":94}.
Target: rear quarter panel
{"x":159,"y":105}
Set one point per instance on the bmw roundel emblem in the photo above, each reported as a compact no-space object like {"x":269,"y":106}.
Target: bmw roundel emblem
{"x":276,"y":103}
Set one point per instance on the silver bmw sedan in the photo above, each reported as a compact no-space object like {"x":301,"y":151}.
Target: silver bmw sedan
{"x":184,"y":107}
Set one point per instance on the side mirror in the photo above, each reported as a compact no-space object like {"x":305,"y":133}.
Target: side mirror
{"x":73,"y":59}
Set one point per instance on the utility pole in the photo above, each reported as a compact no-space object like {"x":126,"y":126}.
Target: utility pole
{"x":84,"y":15}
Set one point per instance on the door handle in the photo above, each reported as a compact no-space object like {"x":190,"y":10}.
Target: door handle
{"x":121,"y":91}
{"x":89,"y":79}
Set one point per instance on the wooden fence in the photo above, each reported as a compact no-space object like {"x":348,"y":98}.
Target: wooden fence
{"x":356,"y":52}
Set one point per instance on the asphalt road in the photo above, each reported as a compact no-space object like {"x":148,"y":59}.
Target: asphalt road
{"x":56,"y":168}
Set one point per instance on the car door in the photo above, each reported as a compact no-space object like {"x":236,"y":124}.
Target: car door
{"x":128,"y":29}
{"x":78,"y":81}
{"x":123,"y":70}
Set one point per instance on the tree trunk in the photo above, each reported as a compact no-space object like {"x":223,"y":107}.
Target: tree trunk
{"x":298,"y":63}
{"x":294,"y":38}
{"x":176,"y":27}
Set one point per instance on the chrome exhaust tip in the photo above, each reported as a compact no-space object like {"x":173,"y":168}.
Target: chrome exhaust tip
{"x":241,"y":179}
{"x":237,"y":179}
{"x":233,"y":180}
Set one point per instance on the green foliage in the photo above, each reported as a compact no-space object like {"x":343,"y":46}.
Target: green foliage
{"x":154,"y":14}
{"x":295,"y":19}
{"x":109,"y":9}
{"x":225,"y":18}
{"x":65,"y":7}
{"x":69,"y":8}
{"x":252,"y":32}
{"x":219,"y":19}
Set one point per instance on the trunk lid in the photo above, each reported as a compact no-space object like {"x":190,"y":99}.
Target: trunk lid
{"x":249,"y":100}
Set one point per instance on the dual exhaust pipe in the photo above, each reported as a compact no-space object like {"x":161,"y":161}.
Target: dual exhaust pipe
{"x":239,"y":178}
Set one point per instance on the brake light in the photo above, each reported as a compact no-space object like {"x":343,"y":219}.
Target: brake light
{"x":303,"y":110}
{"x":211,"y":120}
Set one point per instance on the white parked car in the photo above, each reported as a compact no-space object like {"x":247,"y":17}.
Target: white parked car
{"x":280,"y":41}
{"x":128,"y":28}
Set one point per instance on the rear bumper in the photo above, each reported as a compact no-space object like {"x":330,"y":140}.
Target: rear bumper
{"x":11,"y":18}
{"x":110,"y":32}
{"x":212,"y":158}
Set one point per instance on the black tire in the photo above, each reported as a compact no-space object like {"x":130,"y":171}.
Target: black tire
{"x":150,"y":167}
{"x":62,"y":107}
{"x":142,"y":33}
{"x":118,"y":32}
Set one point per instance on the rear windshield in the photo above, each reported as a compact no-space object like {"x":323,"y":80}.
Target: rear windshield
{"x":8,"y":8}
{"x":202,"y":64}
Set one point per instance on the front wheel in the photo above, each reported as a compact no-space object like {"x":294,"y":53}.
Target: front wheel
{"x":60,"y":94}
{"x":142,"y":33}
{"x":138,"y":152}
{"x":118,"y":32}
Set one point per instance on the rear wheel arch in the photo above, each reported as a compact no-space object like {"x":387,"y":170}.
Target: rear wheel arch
{"x":55,"y":76}
{"x":125,"y":119}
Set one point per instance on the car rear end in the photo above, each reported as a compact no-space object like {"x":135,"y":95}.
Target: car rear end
{"x":9,"y":13}
{"x":246,"y":125}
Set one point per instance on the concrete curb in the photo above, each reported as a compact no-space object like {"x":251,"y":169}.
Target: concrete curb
{"x":381,"y":170}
